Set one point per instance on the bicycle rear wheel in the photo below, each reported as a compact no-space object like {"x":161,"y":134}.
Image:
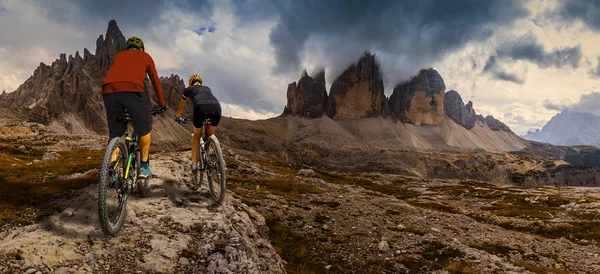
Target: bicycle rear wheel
{"x":215,"y":170}
{"x":112,"y":194}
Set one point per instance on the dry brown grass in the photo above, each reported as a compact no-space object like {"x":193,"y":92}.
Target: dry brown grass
{"x":293,"y":247}
{"x":460,"y":267}
{"x":27,"y":188}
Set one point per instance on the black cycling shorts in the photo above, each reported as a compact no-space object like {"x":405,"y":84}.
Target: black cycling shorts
{"x":136,"y":104}
{"x":205,"y":111}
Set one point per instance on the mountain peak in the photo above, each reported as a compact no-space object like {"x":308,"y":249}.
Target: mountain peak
{"x":420,"y":100}
{"x":112,"y":24}
{"x":569,"y":128}
{"x":455,"y":109}
{"x":308,"y":97}
{"x":109,"y":45}
{"x":358,"y":91}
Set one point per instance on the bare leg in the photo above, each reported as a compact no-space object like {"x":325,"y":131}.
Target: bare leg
{"x":211,"y":130}
{"x":115,"y":154}
{"x":144,"y":143}
{"x":196,"y":145}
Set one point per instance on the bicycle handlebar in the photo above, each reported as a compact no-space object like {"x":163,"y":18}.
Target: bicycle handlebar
{"x":186,"y":120}
{"x":157,"y":110}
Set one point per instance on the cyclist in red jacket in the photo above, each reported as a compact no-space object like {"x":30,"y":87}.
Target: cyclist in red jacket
{"x":123,"y":88}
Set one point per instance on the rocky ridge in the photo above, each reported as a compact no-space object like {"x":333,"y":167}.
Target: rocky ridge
{"x":308,"y":98}
{"x":358,"y":93}
{"x":66,"y":95}
{"x":465,"y":115}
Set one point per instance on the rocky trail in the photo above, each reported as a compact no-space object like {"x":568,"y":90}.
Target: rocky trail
{"x":175,"y":230}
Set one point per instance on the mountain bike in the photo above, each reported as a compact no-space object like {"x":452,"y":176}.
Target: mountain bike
{"x":210,"y":161}
{"x":120,"y":177}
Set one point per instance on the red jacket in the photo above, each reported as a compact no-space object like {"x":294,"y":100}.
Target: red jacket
{"x":127,"y":74}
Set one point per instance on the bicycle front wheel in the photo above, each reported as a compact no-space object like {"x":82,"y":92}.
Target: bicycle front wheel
{"x":215,"y":170}
{"x":112,"y":194}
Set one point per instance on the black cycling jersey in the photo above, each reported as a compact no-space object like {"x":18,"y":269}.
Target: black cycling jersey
{"x":200,"y":95}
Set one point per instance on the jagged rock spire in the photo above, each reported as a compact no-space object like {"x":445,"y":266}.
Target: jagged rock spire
{"x":107,"y":47}
{"x":358,"y":92}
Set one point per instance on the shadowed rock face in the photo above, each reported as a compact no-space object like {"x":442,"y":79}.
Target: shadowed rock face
{"x":456,"y":110}
{"x":420,"y":100}
{"x":308,"y":98}
{"x":106,"y":49}
{"x":358,"y":92}
{"x":494,"y":124}
{"x":465,"y":115}
{"x":69,"y":91}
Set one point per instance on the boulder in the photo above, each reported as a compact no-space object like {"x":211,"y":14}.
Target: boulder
{"x":51,"y":156}
{"x":306,"y":172}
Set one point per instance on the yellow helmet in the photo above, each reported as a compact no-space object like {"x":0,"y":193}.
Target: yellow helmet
{"x":134,"y":42}
{"x":195,"y":78}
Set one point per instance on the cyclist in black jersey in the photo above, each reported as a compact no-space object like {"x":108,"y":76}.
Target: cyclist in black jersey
{"x":206,"y":106}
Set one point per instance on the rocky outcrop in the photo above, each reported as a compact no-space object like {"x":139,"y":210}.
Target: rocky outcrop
{"x":563,"y":175}
{"x":173,"y":87}
{"x":420,"y":100}
{"x":107,"y":48}
{"x":455,"y":109}
{"x":308,"y":98}
{"x":494,"y":124}
{"x":176,"y":230}
{"x":358,"y":92}
{"x":465,"y":115}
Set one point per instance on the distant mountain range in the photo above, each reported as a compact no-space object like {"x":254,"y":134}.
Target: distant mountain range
{"x":569,"y":128}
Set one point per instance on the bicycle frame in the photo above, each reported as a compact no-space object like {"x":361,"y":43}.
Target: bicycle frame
{"x":203,"y":138}
{"x":130,"y":142}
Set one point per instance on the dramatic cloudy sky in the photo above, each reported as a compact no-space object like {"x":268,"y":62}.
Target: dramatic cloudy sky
{"x":521,"y":61}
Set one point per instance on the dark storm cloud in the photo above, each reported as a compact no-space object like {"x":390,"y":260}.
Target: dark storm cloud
{"x":142,"y":13}
{"x":559,"y":106}
{"x":416,"y":32}
{"x":128,"y":12}
{"x":492,"y":67}
{"x":253,"y":10}
{"x":528,"y":48}
{"x":589,"y":102}
{"x":588,"y":11}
